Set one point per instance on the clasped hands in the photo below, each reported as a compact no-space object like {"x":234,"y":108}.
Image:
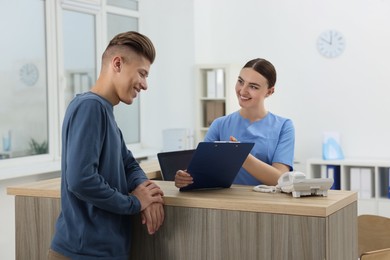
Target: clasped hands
{"x":152,"y":211}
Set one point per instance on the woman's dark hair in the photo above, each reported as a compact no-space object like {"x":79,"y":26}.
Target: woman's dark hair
{"x":265,"y":68}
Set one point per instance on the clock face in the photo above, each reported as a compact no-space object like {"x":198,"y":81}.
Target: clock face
{"x":29,"y":74}
{"x":331,"y":43}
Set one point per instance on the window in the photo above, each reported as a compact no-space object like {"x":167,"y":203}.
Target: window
{"x":127,"y":4}
{"x":52,"y":52}
{"x":23,"y":99}
{"x":79,"y":53}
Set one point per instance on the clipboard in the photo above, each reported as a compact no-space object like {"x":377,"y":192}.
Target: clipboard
{"x":216,"y":164}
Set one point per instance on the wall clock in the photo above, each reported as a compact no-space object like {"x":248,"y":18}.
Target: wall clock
{"x":331,"y":43}
{"x":29,"y":74}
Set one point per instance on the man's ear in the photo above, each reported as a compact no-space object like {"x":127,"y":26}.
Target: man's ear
{"x":116,"y":63}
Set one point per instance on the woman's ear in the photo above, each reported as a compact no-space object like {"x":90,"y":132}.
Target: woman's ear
{"x":270,"y":91}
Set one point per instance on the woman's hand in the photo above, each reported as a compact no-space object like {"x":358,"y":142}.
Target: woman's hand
{"x":183,"y":179}
{"x":233,"y":139}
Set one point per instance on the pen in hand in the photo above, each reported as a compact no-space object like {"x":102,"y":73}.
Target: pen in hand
{"x":233,"y":139}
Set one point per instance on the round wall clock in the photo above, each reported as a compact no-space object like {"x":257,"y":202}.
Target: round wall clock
{"x":29,"y":74}
{"x":331,"y":43}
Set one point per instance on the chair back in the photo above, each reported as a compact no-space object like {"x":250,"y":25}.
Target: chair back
{"x":373,"y":233}
{"x":383,"y":254}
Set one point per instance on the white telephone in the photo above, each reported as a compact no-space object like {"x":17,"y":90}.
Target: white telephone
{"x":296,"y":183}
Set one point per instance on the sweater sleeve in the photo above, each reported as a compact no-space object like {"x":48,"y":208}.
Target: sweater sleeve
{"x":134,"y":173}
{"x":90,"y":178}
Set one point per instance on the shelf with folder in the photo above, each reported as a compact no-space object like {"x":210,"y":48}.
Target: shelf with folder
{"x":384,"y":182}
{"x":212,"y":110}
{"x":215,"y":94}
{"x":369,"y":178}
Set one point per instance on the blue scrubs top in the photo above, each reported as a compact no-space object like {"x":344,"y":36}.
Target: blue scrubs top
{"x":274,"y":139}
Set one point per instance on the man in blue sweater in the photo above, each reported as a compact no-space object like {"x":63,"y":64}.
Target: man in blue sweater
{"x":102,"y":184}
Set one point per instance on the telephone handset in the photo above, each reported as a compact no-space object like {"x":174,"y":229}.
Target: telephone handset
{"x":295,"y":182}
{"x":288,"y":178}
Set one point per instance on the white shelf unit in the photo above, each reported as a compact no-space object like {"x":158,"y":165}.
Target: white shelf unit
{"x":379,"y":203}
{"x":226,"y":104}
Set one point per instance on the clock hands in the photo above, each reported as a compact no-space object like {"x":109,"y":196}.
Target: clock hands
{"x":328,"y":39}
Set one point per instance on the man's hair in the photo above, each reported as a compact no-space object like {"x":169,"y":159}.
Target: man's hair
{"x":135,"y":41}
{"x":265,"y":68}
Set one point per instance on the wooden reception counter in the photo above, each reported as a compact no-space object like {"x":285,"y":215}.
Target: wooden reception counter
{"x":234,"y":223}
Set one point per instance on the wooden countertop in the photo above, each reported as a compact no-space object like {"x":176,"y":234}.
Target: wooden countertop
{"x":238,"y":197}
{"x":50,"y":188}
{"x":243,"y":198}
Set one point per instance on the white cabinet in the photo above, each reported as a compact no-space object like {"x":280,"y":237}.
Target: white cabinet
{"x":370,"y":178}
{"x":215,"y":94}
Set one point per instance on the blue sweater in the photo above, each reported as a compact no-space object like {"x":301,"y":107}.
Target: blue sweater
{"x":98,"y":172}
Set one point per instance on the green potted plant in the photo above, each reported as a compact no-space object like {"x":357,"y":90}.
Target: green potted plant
{"x":38,"y":148}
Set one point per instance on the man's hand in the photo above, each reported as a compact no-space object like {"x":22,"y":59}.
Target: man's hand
{"x":153,"y":217}
{"x":147,"y":193}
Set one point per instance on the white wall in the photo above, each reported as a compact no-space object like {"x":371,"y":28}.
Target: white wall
{"x":348,"y":94}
